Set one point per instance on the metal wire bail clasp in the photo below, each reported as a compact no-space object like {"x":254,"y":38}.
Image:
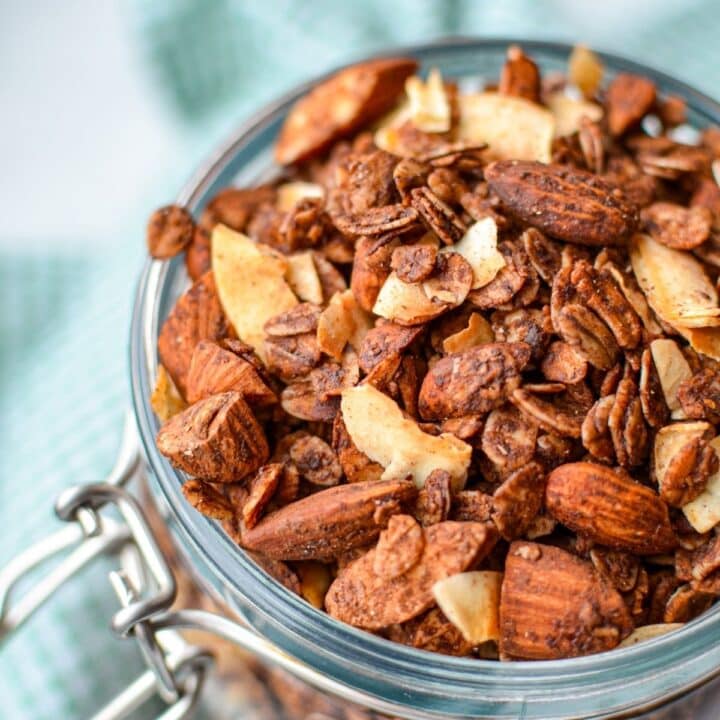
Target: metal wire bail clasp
{"x":145,"y":584}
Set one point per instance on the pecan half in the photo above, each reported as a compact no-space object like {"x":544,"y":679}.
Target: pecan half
{"x":677,"y":226}
{"x":217,"y":439}
{"x":699,"y":396}
{"x":438,"y":216}
{"x":688,"y":471}
{"x":330,"y":522}
{"x":569,"y":204}
{"x":472,"y":382}
{"x":363,"y":598}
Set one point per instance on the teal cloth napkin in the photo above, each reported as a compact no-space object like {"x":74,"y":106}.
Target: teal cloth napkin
{"x":65,"y":315}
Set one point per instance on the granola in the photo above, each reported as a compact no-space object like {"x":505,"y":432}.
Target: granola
{"x":454,"y":377}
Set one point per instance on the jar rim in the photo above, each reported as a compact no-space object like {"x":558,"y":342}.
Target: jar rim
{"x":688,"y":650}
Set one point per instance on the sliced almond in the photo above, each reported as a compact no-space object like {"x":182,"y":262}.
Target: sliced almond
{"x":250,"y":280}
{"x":477,"y":332}
{"x":303,"y":278}
{"x":479,"y":247}
{"x":675,"y":284}
{"x":291,"y":193}
{"x":165,"y":400}
{"x":343,"y":321}
{"x":429,"y":105}
{"x":585,"y":70}
{"x":513,"y":128}
{"x":648,"y":632}
{"x":672,"y":368}
{"x":568,"y":112}
{"x":471,"y":602}
{"x":703,"y":513}
{"x":379,"y":429}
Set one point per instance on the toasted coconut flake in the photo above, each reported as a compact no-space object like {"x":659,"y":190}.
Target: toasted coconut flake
{"x":703,"y":340}
{"x":648,"y":632}
{"x":477,"y":332}
{"x":568,"y":112}
{"x":675,"y":284}
{"x":302,"y":276}
{"x":585,"y":70}
{"x":342,"y":321}
{"x":479,"y":247}
{"x":703,"y":513}
{"x":429,"y":106}
{"x":513,"y":128}
{"x":289,"y":194}
{"x":471,"y":602}
{"x":416,"y":303}
{"x":378,"y":428}
{"x":250,"y":284}
{"x":672,"y":368}
{"x":165,"y":400}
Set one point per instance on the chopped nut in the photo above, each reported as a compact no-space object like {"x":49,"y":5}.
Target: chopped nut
{"x":699,"y":396}
{"x":519,"y":76}
{"x":208,"y":501}
{"x":217,"y":439}
{"x":262,"y":488}
{"x":628,"y":99}
{"x":517,"y":501}
{"x":170,"y":230}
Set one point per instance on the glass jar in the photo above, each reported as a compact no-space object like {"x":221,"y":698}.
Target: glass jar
{"x":397,"y":679}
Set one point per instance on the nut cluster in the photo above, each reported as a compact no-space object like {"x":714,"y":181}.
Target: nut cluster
{"x":453,"y":377}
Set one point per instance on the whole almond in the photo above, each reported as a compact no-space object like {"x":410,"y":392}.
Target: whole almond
{"x":217,"y":439}
{"x":555,"y":605}
{"x":330,"y":522}
{"x":334,"y":108}
{"x":609,"y":508}
{"x":567,"y":203}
